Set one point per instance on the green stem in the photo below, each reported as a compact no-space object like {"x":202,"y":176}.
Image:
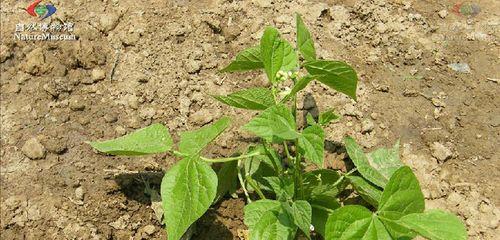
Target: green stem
{"x":345,"y":175}
{"x":229,"y":159}
{"x":270,"y":156}
{"x":255,"y":186}
{"x":288,"y":156}
{"x":242,"y":183}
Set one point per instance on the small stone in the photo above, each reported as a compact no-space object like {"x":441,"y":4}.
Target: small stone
{"x":133,"y":102}
{"x":33,"y":149}
{"x":367,"y":126}
{"x":202,"y":117}
{"x":149,"y":229}
{"x":193,"y":66}
{"x":121,"y":223}
{"x":79,"y":193}
{"x":120,"y":130}
{"x":443,"y":13}
{"x":110,"y":118}
{"x":98,"y":74}
{"x":76,"y":104}
{"x":374,"y":116}
{"x":440,"y":152}
{"x":380,"y":27}
{"x":108,"y":22}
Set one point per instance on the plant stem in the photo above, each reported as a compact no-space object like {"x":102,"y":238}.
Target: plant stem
{"x":345,"y":175}
{"x":255,"y":186}
{"x":242,"y":183}
{"x":288,"y":156}
{"x":270,"y":156}
{"x":229,"y":159}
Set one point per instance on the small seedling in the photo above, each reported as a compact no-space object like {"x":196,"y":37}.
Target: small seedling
{"x":284,"y":200}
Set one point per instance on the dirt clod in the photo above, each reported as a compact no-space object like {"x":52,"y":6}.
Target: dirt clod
{"x":33,"y":149}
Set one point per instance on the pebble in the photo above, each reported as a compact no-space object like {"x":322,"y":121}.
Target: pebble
{"x":374,"y":116}
{"x":193,"y":66}
{"x":120,"y":130}
{"x":367,"y":126}
{"x":460,"y":67}
{"x":79,"y":193}
{"x":98,"y":74}
{"x":76,"y":104}
{"x":108,"y":22}
{"x":33,"y":149}
{"x":443,"y":13}
{"x":202,"y":117}
{"x":440,"y":152}
{"x":149,"y":229}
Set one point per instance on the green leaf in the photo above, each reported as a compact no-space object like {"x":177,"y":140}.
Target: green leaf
{"x":283,"y":187}
{"x":253,"y":99}
{"x":386,"y":161}
{"x":354,"y":222}
{"x":322,"y":207}
{"x":435,"y":225}
{"x":359,"y":159}
{"x":187,"y":190}
{"x":335,"y":74}
{"x":227,"y":177}
{"x":149,"y":140}
{"x":248,"y":59}
{"x":192,"y":142}
{"x":368,"y":191}
{"x":305,"y":43}
{"x":401,"y":196}
{"x":261,"y":166}
{"x":274,"y":124}
{"x":312,"y":143}
{"x":272,"y":52}
{"x":273,"y":226}
{"x":301,"y":84}
{"x":301,"y":213}
{"x":310,"y":119}
{"x":327,"y":117}
{"x":322,"y":182}
{"x":290,"y":58}
{"x":253,"y":212}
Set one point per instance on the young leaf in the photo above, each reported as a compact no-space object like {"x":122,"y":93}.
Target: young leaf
{"x":192,"y":142}
{"x":273,"y":226}
{"x":322,"y":207}
{"x":290,"y":58}
{"x":359,"y":159}
{"x":253,"y":212}
{"x":386,"y":161}
{"x":368,"y":191}
{"x":335,"y":74}
{"x":187,"y":190}
{"x":322,"y":182}
{"x":227,"y":177}
{"x":301,"y":213}
{"x":311,"y":144}
{"x":253,"y":99}
{"x":310,"y":119}
{"x":435,"y":225}
{"x":301,"y":84}
{"x":272,"y":52}
{"x":152,"y":139}
{"x":283,"y":187}
{"x":327,"y":117}
{"x":401,"y":196}
{"x":248,"y":59}
{"x":305,"y":43}
{"x":355,"y":222}
{"x":274,"y":124}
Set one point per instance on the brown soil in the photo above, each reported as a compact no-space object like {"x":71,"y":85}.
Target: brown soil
{"x":167,"y":54}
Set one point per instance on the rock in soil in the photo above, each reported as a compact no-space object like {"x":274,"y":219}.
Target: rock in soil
{"x":440,"y":152}
{"x":33,"y":149}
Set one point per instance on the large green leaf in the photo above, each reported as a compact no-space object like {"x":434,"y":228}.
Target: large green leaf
{"x":274,"y":124}
{"x":312,"y":143}
{"x":335,"y":74}
{"x":273,"y":226}
{"x":187,"y":190}
{"x":248,"y":59}
{"x":355,"y":222}
{"x":368,"y":191}
{"x":152,"y":139}
{"x":322,"y":207}
{"x":192,"y":142}
{"x":435,"y":225}
{"x":253,"y":99}
{"x":253,"y":212}
{"x":305,"y":43}
{"x":364,"y":167}
{"x":386,"y":161}
{"x":301,"y":213}
{"x":283,"y":187}
{"x":290,"y":58}
{"x":401,"y":196}
{"x":272,"y":52}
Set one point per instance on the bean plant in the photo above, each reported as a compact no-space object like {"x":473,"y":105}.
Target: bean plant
{"x":380,"y":198}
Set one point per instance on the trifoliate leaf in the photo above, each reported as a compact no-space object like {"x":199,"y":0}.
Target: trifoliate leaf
{"x":274,"y":124}
{"x":187,"y":190}
{"x":335,"y":74}
{"x":312,"y":143}
{"x":192,"y":142}
{"x":435,"y":225}
{"x":305,"y":43}
{"x":149,"y":140}
{"x":248,"y":59}
{"x":252,"y":98}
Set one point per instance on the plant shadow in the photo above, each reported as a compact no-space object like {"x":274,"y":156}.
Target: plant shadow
{"x":134,"y":185}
